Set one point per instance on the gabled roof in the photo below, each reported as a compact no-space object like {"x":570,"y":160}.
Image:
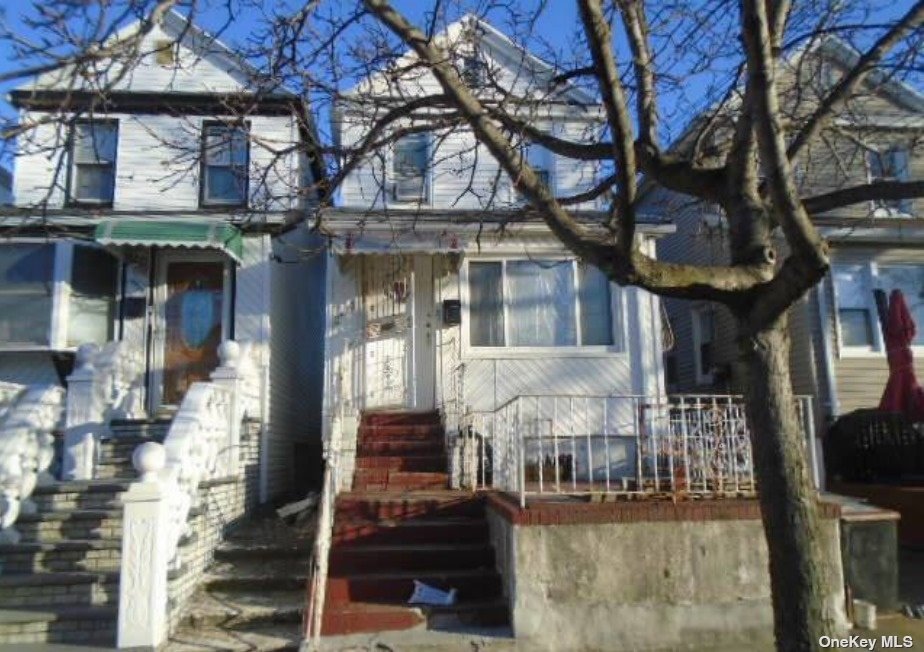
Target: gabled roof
{"x":501,"y":47}
{"x":180,"y":28}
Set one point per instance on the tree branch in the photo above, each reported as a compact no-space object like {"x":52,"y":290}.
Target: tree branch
{"x":885,"y":190}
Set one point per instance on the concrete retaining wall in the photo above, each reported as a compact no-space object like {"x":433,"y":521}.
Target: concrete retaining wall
{"x":643,"y":585}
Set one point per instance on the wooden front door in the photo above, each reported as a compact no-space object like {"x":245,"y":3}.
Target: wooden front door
{"x":193,"y":322}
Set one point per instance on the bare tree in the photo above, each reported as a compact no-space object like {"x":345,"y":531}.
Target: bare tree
{"x":740,"y":66}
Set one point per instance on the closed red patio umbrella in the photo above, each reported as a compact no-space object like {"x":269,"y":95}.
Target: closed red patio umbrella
{"x":902,"y":393}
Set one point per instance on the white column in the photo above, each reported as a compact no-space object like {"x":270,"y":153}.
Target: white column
{"x":83,"y":419}
{"x":143,"y":576}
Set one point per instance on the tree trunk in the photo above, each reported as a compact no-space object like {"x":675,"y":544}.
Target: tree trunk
{"x":798,"y":569}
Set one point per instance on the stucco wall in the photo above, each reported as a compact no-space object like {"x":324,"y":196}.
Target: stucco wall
{"x":668,"y":585}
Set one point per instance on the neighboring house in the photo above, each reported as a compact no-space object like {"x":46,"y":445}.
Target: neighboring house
{"x":445,"y":291}
{"x":6,"y":187}
{"x":163,"y":219}
{"x":838,"y":354}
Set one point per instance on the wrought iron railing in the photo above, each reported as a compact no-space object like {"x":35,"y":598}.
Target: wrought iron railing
{"x":548,"y":444}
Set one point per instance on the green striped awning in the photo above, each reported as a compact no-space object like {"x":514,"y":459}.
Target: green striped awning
{"x":189,"y":234}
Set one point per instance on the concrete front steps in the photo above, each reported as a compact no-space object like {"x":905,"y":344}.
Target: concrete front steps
{"x":60,"y":583}
{"x":253,"y":594}
{"x":401,"y":523}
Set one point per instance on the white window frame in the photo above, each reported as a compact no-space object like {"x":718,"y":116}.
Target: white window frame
{"x":618,"y":320}
{"x":60,"y":298}
{"x":905,"y":207}
{"x":878,"y":349}
{"x":391,"y":178}
{"x":703,"y":376}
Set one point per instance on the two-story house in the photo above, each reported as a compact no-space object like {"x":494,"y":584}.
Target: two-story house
{"x":838,"y":354}
{"x":163,"y":214}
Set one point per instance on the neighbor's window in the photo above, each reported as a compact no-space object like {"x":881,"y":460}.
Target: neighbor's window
{"x":93,"y":158}
{"x":855,"y":305}
{"x":409,"y":168}
{"x":910,"y":280}
{"x":538,"y":303}
{"x":704,"y":343}
{"x":889,"y":165}
{"x":224,"y":176}
{"x":91,"y":312}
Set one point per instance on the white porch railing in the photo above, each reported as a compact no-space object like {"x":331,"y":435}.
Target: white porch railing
{"x":548,"y":444}
{"x":27,"y":419}
{"x":203,"y":443}
{"x":107,"y":383}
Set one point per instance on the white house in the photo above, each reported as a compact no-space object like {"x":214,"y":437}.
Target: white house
{"x":156,"y":285}
{"x":444,"y":291}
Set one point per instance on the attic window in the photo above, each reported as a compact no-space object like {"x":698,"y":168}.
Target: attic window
{"x":474,"y":71}
{"x":165,"y":53}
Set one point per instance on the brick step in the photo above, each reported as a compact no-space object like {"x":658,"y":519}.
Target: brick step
{"x":79,"y":495}
{"x":67,"y":524}
{"x":386,"y":480}
{"x":95,"y":555}
{"x":234,"y":609}
{"x":402,"y":418}
{"x":377,"y":505}
{"x":397,"y":587}
{"x":116,"y":471}
{"x":409,"y":432}
{"x":57,"y":624}
{"x":429,"y":463}
{"x":56,"y":589}
{"x":365,"y":532}
{"x":400,"y":447}
{"x":360,"y":617}
{"x":358,"y":558}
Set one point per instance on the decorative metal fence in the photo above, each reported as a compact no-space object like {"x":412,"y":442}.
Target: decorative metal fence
{"x":548,"y":444}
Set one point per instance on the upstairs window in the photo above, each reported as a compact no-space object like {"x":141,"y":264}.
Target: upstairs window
{"x":409,"y":168}
{"x":539,"y":159}
{"x":889,"y":165}
{"x":93,"y":158}
{"x":224,"y":160}
{"x":538,"y":303}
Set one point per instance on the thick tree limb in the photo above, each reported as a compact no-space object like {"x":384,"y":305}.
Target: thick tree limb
{"x":849,"y":83}
{"x":809,"y":251}
{"x":600,"y":42}
{"x":636,"y":24}
{"x":879,"y":190}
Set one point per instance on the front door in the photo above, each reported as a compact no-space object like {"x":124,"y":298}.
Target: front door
{"x":398,"y":340}
{"x":192,"y":322}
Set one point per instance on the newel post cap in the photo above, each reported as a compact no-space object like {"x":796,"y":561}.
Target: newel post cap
{"x":229,"y":353}
{"x":149,"y":460}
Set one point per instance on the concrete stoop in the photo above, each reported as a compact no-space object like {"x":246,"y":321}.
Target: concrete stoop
{"x":60,"y":583}
{"x":252,"y":596}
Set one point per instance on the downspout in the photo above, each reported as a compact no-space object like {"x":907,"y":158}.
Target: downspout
{"x":266,"y":257}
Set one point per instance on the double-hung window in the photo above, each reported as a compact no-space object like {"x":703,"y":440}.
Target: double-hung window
{"x":409,"y":168}
{"x":224,"y":163}
{"x":26,"y":293}
{"x":538,"y":303}
{"x":889,"y":165}
{"x":93,"y":160}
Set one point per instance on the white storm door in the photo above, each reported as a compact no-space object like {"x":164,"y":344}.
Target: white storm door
{"x":388,"y":309}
